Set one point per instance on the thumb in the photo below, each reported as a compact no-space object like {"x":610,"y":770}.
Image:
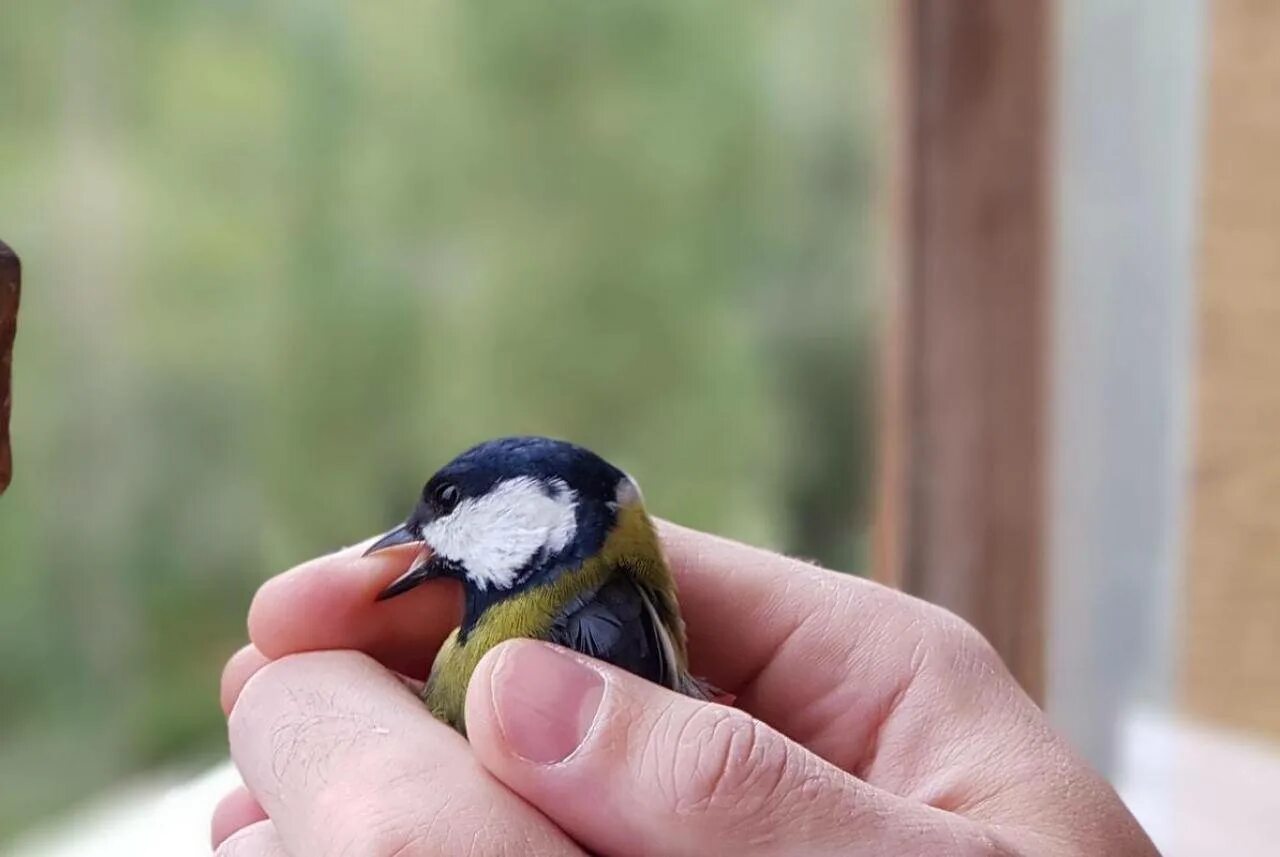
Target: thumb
{"x":628,"y":768}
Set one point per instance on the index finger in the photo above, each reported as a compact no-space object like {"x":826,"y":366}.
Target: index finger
{"x":329,"y":603}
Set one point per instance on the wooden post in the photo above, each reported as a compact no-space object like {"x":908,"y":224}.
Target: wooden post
{"x":961,"y":518}
{"x":1230,"y":671}
{"x":10,"y":292}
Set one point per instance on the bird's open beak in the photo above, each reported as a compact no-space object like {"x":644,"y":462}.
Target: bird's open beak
{"x":401,"y":535}
{"x":425,"y":565}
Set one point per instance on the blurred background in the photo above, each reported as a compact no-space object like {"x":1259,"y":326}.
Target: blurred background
{"x":282,"y":260}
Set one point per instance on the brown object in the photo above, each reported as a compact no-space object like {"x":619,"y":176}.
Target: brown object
{"x":961,"y":517}
{"x":10,"y":292}
{"x":1231,"y":670}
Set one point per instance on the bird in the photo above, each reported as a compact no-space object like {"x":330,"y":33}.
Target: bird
{"x":549,"y":542}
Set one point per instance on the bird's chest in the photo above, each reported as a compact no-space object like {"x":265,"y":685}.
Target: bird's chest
{"x":529,"y":615}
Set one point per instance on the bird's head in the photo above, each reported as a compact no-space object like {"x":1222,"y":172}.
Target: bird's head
{"x":507,"y":512}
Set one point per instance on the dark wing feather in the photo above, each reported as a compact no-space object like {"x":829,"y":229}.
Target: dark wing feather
{"x":615,"y":624}
{"x":676,"y":677}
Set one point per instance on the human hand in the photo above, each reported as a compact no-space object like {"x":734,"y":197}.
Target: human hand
{"x":893,"y":729}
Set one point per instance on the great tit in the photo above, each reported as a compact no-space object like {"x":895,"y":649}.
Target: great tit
{"x":549,"y":542}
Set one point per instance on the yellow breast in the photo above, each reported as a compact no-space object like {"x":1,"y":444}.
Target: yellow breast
{"x":529,"y":615}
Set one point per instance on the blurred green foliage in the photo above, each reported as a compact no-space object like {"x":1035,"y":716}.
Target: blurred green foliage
{"x":284,"y":259}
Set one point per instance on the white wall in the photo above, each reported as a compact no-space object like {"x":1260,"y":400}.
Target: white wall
{"x":1130,"y":90}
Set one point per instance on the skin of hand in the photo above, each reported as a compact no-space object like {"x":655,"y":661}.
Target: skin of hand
{"x":867,"y":723}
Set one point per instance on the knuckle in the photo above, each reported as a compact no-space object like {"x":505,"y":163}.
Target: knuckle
{"x":428,"y":835}
{"x":297,"y":725}
{"x":377,"y":839}
{"x":266,"y":687}
{"x":962,"y":646}
{"x":256,"y":696}
{"x":725,"y":759}
{"x":357,"y":826}
{"x":399,"y":820}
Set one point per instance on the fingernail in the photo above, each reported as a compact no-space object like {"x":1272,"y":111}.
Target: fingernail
{"x":545,"y":701}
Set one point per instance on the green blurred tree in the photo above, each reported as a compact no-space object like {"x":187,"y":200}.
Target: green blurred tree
{"x":284,"y":259}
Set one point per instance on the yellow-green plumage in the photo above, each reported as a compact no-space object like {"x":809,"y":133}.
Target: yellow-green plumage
{"x":631,"y":548}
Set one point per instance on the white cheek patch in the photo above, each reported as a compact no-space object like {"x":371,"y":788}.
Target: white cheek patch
{"x":496,"y":535}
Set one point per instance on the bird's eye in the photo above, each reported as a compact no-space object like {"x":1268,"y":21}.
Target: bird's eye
{"x":445,"y":497}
